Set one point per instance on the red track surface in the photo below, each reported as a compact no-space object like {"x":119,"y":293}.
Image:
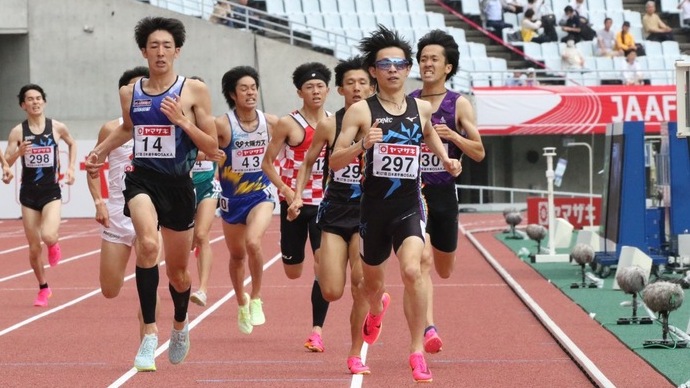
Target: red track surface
{"x":491,"y":339}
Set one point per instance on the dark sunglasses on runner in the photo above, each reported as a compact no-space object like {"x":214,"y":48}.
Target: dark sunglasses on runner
{"x":386,"y":63}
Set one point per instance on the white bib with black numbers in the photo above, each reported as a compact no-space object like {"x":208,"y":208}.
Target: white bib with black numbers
{"x":399,"y":161}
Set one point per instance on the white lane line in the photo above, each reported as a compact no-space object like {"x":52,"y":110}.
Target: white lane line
{"x":575,"y":352}
{"x":130,"y":373}
{"x":357,"y":380}
{"x":62,"y":262}
{"x":68,"y":237}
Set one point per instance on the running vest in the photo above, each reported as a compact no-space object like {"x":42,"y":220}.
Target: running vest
{"x":159,"y":145}
{"x":391,"y":167}
{"x":241,"y":174}
{"x":433,"y":172}
{"x":41,"y":162}
{"x":343,"y":185}
{"x":119,"y":161}
{"x":292,"y":159}
{"x":203,"y":171}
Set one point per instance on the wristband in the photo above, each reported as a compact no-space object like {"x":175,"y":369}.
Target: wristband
{"x":362,"y":144}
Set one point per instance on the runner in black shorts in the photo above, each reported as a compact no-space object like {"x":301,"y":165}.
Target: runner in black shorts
{"x":291,"y":138}
{"x":392,"y":127}
{"x":170,"y":119}
{"x":35,"y":141}
{"x":454,"y":121}
{"x":338,"y":214}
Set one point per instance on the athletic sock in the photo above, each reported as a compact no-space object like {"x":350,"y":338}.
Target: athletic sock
{"x":319,"y":305}
{"x":181,"y":302}
{"x":43,"y":286}
{"x":147,"y":287}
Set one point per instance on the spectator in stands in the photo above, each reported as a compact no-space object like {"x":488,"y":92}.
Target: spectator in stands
{"x":515,"y":6}
{"x":572,"y":25}
{"x":539,"y":7}
{"x":529,"y":28}
{"x":684,"y":7}
{"x":222,"y":13}
{"x":631,"y":74}
{"x":493,"y":14}
{"x":654,"y":28}
{"x":580,"y":6}
{"x":572,"y":58}
{"x":624,"y":40}
{"x":516,"y":79}
{"x":531,"y":79}
{"x":606,"y":41}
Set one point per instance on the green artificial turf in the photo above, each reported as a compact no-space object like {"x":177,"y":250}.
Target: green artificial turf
{"x":605,"y":304}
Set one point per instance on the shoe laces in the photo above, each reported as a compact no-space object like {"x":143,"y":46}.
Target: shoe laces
{"x":244,"y":313}
{"x":149,"y":347}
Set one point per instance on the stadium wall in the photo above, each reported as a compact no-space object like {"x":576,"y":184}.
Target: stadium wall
{"x":77,"y":50}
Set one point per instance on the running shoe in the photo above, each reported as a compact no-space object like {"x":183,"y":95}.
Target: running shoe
{"x":199,"y":298}
{"x":179,"y":344}
{"x":145,"y":361}
{"x":432,"y":342}
{"x":420,"y":372}
{"x":257,"y":312}
{"x":54,"y":254}
{"x":314,"y":343}
{"x":372,"y":323}
{"x":42,"y":297}
{"x":244,"y":317}
{"x":356,"y":366}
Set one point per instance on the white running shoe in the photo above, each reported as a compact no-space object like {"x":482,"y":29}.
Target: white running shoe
{"x":199,"y":298}
{"x":179,"y":344}
{"x":257,"y":312}
{"x":145,"y":361}
{"x":244,"y":317}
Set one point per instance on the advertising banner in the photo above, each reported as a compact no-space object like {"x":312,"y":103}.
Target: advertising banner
{"x":574,"y":210}
{"x":571,"y":110}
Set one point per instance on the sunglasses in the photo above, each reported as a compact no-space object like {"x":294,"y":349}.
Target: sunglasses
{"x":386,"y":63}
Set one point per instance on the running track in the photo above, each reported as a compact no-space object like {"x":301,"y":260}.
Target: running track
{"x":491,"y":338}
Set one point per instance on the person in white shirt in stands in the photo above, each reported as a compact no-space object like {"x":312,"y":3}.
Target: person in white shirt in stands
{"x":493,"y":14}
{"x":529,"y":28}
{"x":631,"y":74}
{"x":606,"y":41}
{"x":684,"y":7}
{"x":572,"y":58}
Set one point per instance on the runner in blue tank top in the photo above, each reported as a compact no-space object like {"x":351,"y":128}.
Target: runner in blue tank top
{"x":454,"y":121}
{"x":169,"y":118}
{"x":246,"y":201}
{"x":392,"y":127}
{"x":35,"y":141}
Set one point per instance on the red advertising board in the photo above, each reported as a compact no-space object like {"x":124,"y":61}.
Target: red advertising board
{"x":575,"y":110}
{"x":575,"y":210}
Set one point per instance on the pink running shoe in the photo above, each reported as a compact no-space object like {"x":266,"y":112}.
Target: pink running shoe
{"x":372,"y":323}
{"x":356,"y":367}
{"x":42,"y":297}
{"x":420,"y":372}
{"x":432,"y":342}
{"x":54,"y":255}
{"x":314,"y":343}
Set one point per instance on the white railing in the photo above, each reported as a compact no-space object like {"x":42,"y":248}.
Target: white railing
{"x":511,"y":193}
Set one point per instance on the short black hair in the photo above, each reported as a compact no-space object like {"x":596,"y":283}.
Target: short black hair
{"x":352,"y":63}
{"x":196,"y":77}
{"x":568,"y":9}
{"x":148,"y":25}
{"x":310,"y":70}
{"x":139,"y":71}
{"x":445,"y":40}
{"x":230,"y":78}
{"x":528,"y":13}
{"x":380,"y":39}
{"x":28,"y":87}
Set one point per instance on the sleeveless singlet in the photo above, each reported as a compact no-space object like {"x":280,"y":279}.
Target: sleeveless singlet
{"x":160,"y":145}
{"x":241,"y":174}
{"x":391,"y":167}
{"x":41,"y":163}
{"x":343,"y":185}
{"x":433,"y":172}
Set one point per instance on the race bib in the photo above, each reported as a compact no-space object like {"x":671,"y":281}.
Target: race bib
{"x":202,"y":166}
{"x":317,"y":168}
{"x":430,"y":162}
{"x":38,"y":157}
{"x":396,"y":161}
{"x":154,"y":141}
{"x":223,"y":204}
{"x":350,"y":174}
{"x":247,"y":159}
